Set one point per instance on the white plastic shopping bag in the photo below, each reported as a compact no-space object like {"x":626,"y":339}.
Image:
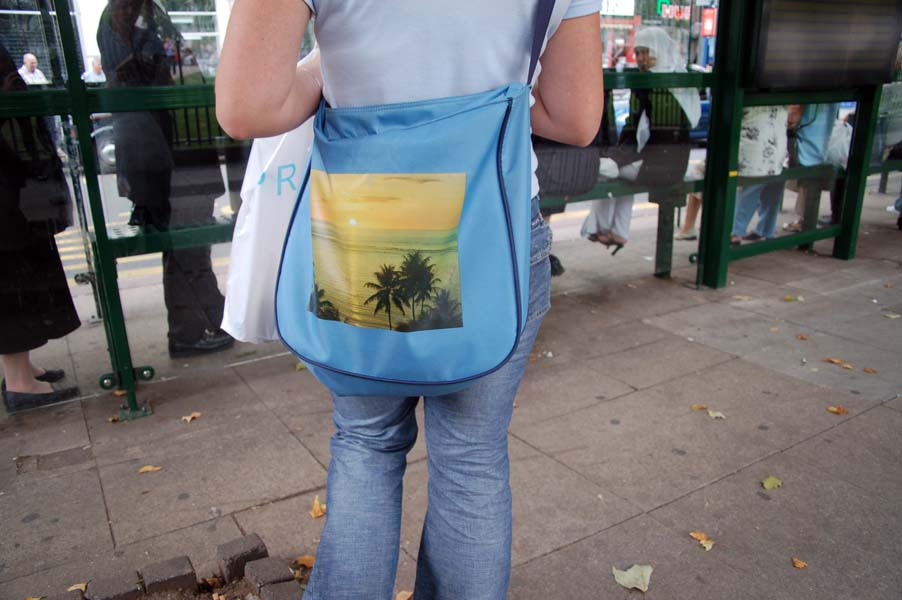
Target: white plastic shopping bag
{"x":272,"y":181}
{"x":838,"y":147}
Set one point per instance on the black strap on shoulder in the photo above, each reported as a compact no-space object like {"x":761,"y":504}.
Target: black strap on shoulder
{"x":543,"y":17}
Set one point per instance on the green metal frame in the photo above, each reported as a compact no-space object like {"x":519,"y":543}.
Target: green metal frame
{"x":730,"y":93}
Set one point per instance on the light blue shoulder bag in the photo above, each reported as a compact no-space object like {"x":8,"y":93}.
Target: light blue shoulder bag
{"x":405,"y":270}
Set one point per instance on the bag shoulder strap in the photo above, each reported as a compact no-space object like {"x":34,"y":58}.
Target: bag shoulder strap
{"x":543,"y":17}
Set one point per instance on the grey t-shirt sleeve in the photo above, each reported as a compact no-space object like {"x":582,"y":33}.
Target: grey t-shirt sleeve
{"x":580,"y":8}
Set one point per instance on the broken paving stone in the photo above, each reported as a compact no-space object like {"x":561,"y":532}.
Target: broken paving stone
{"x":289,"y":590}
{"x":170,"y":576}
{"x":233,"y":556}
{"x":265,"y":571}
{"x":120,"y":587}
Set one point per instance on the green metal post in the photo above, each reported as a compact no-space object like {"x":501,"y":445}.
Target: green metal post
{"x":106,"y":264}
{"x":723,"y":147}
{"x":857,"y":171}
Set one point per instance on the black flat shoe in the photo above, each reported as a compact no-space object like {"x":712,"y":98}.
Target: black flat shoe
{"x":18,"y":401}
{"x":752,"y":237}
{"x":51,"y":375}
{"x":211,"y":341}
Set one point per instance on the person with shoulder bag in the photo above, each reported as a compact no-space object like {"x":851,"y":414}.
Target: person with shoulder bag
{"x":35,"y":303}
{"x":416,"y":263}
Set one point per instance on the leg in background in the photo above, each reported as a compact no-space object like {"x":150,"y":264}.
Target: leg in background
{"x":769,"y":209}
{"x":747,"y":199}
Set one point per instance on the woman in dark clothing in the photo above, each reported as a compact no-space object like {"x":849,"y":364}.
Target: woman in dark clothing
{"x":653,"y":149}
{"x":35,"y":303}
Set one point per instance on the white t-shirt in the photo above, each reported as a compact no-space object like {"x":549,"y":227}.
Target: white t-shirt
{"x":32,"y":78}
{"x":383,"y":51}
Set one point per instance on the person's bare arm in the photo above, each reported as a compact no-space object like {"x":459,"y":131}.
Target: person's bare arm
{"x":794,"y":115}
{"x":570,"y":90}
{"x":261,"y":90}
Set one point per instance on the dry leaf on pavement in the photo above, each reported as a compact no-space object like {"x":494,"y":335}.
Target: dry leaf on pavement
{"x":300,"y":366}
{"x":702,"y":538}
{"x":847,"y":366}
{"x":404,"y":596}
{"x":798,"y":563}
{"x":81,"y":587}
{"x":774,"y":329}
{"x":191,"y":417}
{"x":318,"y":510}
{"x":742,"y":298}
{"x":149,"y":469}
{"x":870,"y":370}
{"x":716,"y":414}
{"x":887,"y":285}
{"x":838,"y":410}
{"x":35,"y":598}
{"x":305,"y":561}
{"x":802,"y":337}
{"x":892,"y":315}
{"x":771,"y":483}
{"x":636,"y":577}
{"x":834,"y":361}
{"x":113,"y":419}
{"x":699,"y":407}
{"x":789,"y":298}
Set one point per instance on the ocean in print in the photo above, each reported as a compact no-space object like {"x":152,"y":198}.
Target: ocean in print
{"x":385,"y":249}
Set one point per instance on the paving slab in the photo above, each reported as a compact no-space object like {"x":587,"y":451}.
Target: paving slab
{"x":582,"y":571}
{"x":850,"y":539}
{"x":226,"y":404}
{"x":896,"y":403}
{"x":43,"y":431}
{"x":863,"y":451}
{"x":198,"y":542}
{"x":786,"y":265}
{"x":289,"y":393}
{"x":548,"y":390}
{"x":212,"y":474}
{"x":725,"y":327}
{"x":285,"y":526}
{"x":785,"y":356}
{"x":646,"y":297}
{"x":552,"y":506}
{"x":660,"y":361}
{"x":49,"y":520}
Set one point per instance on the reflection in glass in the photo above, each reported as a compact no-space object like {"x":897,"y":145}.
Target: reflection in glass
{"x":35,"y":205}
{"x":134,"y":37}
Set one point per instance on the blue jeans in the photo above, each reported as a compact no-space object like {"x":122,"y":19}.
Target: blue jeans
{"x":765,"y":197}
{"x":465,"y":549}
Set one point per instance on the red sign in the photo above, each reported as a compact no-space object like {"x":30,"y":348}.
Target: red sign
{"x":682,"y":13}
{"x":709,"y":22}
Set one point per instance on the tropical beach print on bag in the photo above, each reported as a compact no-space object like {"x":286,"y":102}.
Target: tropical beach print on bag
{"x":385,"y":249}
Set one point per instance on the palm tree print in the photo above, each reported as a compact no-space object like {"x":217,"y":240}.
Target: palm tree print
{"x":389,"y":290}
{"x":323,"y":308}
{"x":419,"y":280}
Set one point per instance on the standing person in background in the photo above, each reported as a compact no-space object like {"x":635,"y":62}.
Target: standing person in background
{"x":30,"y":72}
{"x":35,"y":303}
{"x":390,"y":53}
{"x":133,"y":55}
{"x":95,"y":75}
{"x":654,"y":146}
{"x":813,"y":125}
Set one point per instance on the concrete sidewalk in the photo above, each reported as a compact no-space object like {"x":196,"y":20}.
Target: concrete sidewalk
{"x":610,"y":466}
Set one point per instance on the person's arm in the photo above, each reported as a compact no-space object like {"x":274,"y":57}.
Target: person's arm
{"x":261,"y":90}
{"x":570,"y":90}
{"x":794,"y":115}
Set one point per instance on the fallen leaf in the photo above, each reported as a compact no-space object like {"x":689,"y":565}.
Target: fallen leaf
{"x":798,"y":563}
{"x":870,"y":370}
{"x":149,"y":469}
{"x":838,"y":410}
{"x":847,"y":366}
{"x":742,"y":298}
{"x":888,"y":285}
{"x":703,"y":539}
{"x":191,"y":417}
{"x":300,"y":366}
{"x":892,"y":315}
{"x":35,"y":598}
{"x":305,"y":561}
{"x":834,"y":361}
{"x":802,"y":337}
{"x":404,"y":596}
{"x":789,"y":298}
{"x":81,"y":587}
{"x":771,"y":483}
{"x":699,"y":407}
{"x":774,"y":329}
{"x":318,"y":510}
{"x":716,"y":414}
{"x":113,"y":419}
{"x":120,"y":393}
{"x":213,"y":582}
{"x":636,"y":577}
